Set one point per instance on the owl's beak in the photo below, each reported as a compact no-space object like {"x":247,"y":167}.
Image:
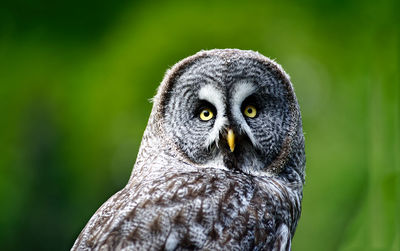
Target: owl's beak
{"x":231,"y":139}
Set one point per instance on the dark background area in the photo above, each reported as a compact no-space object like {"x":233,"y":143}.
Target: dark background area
{"x":76,"y":78}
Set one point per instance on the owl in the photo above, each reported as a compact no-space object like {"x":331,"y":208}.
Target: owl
{"x":221,"y":164}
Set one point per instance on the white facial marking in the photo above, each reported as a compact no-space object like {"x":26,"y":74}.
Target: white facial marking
{"x":215,"y":97}
{"x":241,"y":91}
{"x":217,"y":162}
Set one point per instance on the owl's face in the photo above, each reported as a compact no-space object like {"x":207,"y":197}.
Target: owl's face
{"x":230,"y":113}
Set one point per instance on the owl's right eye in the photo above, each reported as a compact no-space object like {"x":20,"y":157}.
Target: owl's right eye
{"x":206,"y":114}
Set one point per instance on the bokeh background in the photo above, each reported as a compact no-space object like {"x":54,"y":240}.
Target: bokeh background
{"x":76,"y":78}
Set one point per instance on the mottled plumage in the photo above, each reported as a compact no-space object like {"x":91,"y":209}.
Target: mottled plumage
{"x":191,"y":187}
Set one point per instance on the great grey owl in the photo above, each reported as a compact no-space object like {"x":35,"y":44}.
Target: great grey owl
{"x":221,"y":164}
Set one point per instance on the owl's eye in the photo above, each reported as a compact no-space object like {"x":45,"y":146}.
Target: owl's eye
{"x":206,"y":114}
{"x":250,"y":111}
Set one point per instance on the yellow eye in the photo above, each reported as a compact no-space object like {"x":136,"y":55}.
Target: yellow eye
{"x":250,"y":111}
{"x":206,"y":114}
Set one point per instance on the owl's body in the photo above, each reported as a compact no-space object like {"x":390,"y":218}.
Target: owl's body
{"x":220,"y":167}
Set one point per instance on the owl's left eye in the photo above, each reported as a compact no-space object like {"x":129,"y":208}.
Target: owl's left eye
{"x":250,"y":111}
{"x":206,"y":114}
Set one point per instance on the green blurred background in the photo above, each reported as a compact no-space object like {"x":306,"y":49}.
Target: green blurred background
{"x":76,"y":78}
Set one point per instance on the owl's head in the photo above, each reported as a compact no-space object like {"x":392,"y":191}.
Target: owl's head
{"x":232,"y":109}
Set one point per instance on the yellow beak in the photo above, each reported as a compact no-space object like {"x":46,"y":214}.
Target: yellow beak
{"x":231,"y":140}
